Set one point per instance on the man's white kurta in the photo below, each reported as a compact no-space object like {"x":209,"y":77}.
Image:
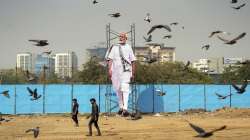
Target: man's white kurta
{"x":121,"y":79}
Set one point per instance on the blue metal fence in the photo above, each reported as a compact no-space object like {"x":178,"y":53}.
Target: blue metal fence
{"x":57,"y":98}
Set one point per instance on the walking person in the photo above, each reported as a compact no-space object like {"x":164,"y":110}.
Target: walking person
{"x":94,"y":118}
{"x":75,"y":107}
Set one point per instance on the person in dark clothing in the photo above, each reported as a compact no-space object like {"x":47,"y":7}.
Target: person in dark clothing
{"x":75,"y":112}
{"x":94,"y":118}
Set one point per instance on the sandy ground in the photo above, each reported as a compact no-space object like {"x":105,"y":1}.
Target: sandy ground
{"x":170,"y":126}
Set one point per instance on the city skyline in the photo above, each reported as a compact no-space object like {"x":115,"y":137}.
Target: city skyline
{"x":79,"y":25}
{"x":62,"y":64}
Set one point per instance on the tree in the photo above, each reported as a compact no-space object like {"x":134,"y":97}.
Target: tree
{"x":10,"y":76}
{"x":53,"y":78}
{"x":244,"y":71}
{"x":169,"y":72}
{"x":93,"y":73}
{"x":236,"y":74}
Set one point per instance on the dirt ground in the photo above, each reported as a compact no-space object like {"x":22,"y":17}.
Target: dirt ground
{"x":170,"y":126}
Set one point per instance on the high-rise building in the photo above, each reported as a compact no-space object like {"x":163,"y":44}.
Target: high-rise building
{"x":215,"y":65}
{"x":156,"y":52}
{"x":201,"y":65}
{"x":232,"y":61}
{"x":44,"y":60}
{"x":24,"y":61}
{"x":99,"y":53}
{"x":65,"y":64}
{"x":151,"y":51}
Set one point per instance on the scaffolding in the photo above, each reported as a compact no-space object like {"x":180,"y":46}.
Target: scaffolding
{"x":111,"y":102}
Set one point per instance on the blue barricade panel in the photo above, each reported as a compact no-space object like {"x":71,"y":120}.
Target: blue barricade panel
{"x":58,"y":98}
{"x":83,"y":93}
{"x":241,"y":100}
{"x":24,"y":104}
{"x":171,"y":99}
{"x":103,"y":101}
{"x":7,"y":104}
{"x":192,"y":96}
{"x":213,"y":102}
{"x":114,"y":103}
{"x":145,"y":98}
{"x":158,"y":104}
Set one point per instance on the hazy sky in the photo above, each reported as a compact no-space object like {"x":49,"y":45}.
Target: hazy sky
{"x":78,"y":24}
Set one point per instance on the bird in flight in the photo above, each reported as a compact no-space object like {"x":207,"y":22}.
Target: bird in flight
{"x":202,"y":133}
{"x":149,"y":39}
{"x":40,"y":43}
{"x":245,"y":62}
{"x":239,"y":7}
{"x":34,"y":94}
{"x":234,"y":1}
{"x":5,"y":94}
{"x":29,"y":76}
{"x":222,"y":96}
{"x":160,"y":93}
{"x":217,"y":32}
{"x":34,"y":130}
{"x":242,"y":89}
{"x":159,"y":27}
{"x":186,"y":66}
{"x":167,"y":36}
{"x":47,"y":52}
{"x":205,"y":47}
{"x":147,"y":18}
{"x":233,"y":41}
{"x":115,"y":15}
{"x":95,"y":2}
{"x":149,"y":59}
{"x":174,"y":23}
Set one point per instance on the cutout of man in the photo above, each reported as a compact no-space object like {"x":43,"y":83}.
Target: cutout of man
{"x":121,"y":68}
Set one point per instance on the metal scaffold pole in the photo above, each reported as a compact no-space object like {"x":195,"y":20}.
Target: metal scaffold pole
{"x":108,"y":85}
{"x":133,"y":86}
{"x":15,"y":90}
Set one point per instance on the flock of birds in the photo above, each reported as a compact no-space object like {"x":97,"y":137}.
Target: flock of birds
{"x":41,"y":43}
{"x":231,"y":41}
{"x":239,"y":6}
{"x":168,"y":28}
{"x":34,"y":130}
{"x":201,"y":132}
{"x":33,"y":93}
{"x":35,"y":96}
{"x":239,"y":90}
{"x":153,"y":28}
{"x":30,"y":78}
{"x":226,"y":41}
